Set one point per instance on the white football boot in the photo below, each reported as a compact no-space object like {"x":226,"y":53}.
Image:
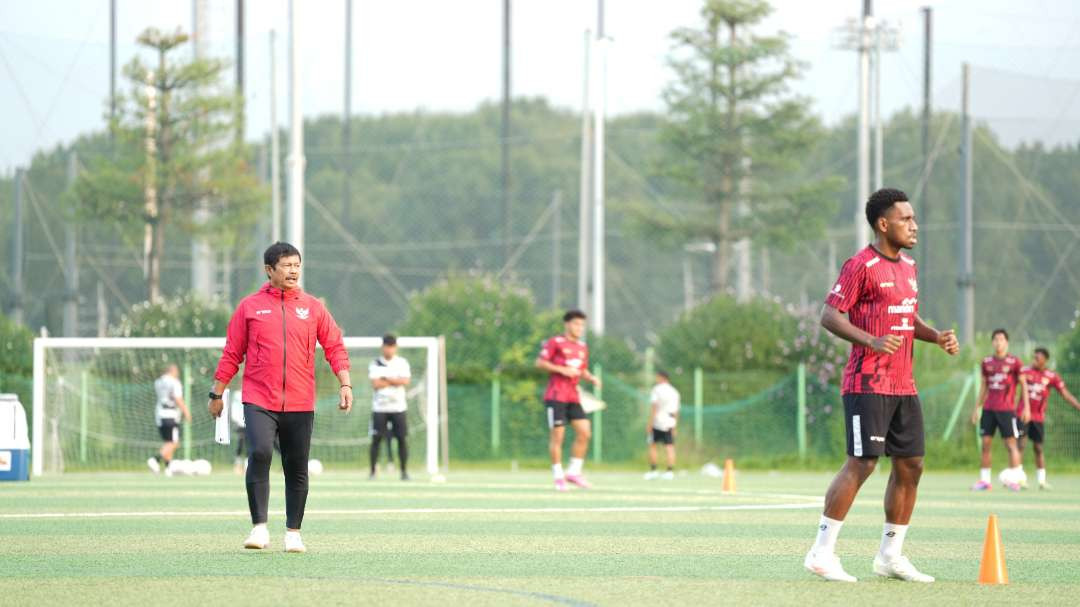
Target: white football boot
{"x":652,"y":475}
{"x":154,"y":466}
{"x":258,"y":539}
{"x":293,"y":543}
{"x":900,"y":568}
{"x":826,"y":566}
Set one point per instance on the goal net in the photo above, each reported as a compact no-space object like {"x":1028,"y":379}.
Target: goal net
{"x":94,"y":402}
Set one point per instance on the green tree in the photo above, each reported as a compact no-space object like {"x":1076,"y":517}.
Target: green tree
{"x":174,"y":152}
{"x":736,"y":137}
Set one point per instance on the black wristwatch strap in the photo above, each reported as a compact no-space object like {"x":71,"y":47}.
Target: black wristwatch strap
{"x":214,"y":396}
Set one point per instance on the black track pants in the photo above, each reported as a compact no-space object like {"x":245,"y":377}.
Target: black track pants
{"x":293,"y":433}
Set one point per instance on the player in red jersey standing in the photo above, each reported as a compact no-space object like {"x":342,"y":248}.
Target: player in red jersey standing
{"x":566,"y":358}
{"x":878,"y":290}
{"x":997,"y":401}
{"x":1040,"y":381}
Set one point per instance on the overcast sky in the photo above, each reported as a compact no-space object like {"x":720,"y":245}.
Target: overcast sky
{"x":446,"y":55}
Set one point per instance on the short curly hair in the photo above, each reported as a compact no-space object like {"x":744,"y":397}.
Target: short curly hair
{"x":880,"y":201}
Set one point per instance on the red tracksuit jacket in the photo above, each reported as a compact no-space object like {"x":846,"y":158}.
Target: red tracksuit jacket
{"x":274,"y":332}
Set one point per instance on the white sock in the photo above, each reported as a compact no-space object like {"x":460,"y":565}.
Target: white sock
{"x":892,"y":540}
{"x":292,"y":533}
{"x":556,"y":469}
{"x":576,"y":464}
{"x":1041,"y":475}
{"x":828,"y":530}
{"x":984,"y":475}
{"x":260,"y":526}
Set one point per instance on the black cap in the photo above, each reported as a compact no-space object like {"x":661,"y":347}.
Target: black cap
{"x":389,"y":340}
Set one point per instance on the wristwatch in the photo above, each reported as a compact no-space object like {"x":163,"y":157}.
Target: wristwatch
{"x":214,"y":396}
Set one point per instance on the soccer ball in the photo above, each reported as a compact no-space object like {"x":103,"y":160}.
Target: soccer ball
{"x":1010,"y":476}
{"x":201,"y":467}
{"x":181,"y":467}
{"x":314,"y":467}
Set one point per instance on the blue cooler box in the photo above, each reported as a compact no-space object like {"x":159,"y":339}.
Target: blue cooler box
{"x":14,"y":440}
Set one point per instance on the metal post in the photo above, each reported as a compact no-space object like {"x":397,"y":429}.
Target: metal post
{"x":966,"y":279}
{"x":186,"y":438}
{"x":596,"y":318}
{"x":496,"y":404}
{"x":17,"y":252}
{"x":504,"y":137}
{"x":879,"y":146}
{"x":295,"y":209}
{"x":84,"y":410}
{"x":862,"y":193}
{"x":687,"y":283}
{"x":275,"y":149}
{"x":924,"y":250}
{"x":800,"y":411}
{"x":240,"y":69}
{"x":346,"y":123}
{"x":556,"y":250}
{"x":112,"y":67}
{"x":585,"y":192}
{"x":598,"y":421}
{"x":699,"y":406}
{"x":202,"y":253}
{"x":444,"y":414}
{"x":71,"y":266}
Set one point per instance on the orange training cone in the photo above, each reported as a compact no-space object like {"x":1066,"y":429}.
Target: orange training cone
{"x":992,"y":570}
{"x":729,"y":476}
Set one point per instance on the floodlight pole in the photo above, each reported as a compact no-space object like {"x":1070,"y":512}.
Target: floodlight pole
{"x":966,"y":279}
{"x":585,"y":191}
{"x":295,"y":209}
{"x":924,"y":204}
{"x":596,"y":318}
{"x":275,"y":149}
{"x":862,"y":192}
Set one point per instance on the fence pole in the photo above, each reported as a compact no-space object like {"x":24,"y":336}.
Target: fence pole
{"x":598,"y":421}
{"x":496,"y":396}
{"x":976,"y":377}
{"x":958,"y":408}
{"x":187,"y":399}
{"x":699,"y":405}
{"x":800,"y":412}
{"x":84,"y":396}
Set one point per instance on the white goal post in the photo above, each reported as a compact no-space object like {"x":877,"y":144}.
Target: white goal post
{"x":433,"y":384}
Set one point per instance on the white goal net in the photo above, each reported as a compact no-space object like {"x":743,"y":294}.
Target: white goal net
{"x":94,"y":401}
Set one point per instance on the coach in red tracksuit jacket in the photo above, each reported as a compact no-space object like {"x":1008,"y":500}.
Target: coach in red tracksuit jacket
{"x":273,"y":332}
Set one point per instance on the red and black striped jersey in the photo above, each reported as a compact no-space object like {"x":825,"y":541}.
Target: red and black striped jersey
{"x":880,"y":295}
{"x":1002,"y":376}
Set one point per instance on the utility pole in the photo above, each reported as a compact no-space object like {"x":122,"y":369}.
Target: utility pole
{"x":202,"y":260}
{"x":556,"y":249}
{"x":275,"y":149}
{"x":966,"y":280}
{"x":862,"y":193}
{"x":504,"y":139}
{"x":585,"y":192}
{"x":596,"y":319}
{"x":346,"y":123}
{"x":296,"y":161}
{"x":17,"y":252}
{"x":924,"y":250}
{"x":112,"y":68}
{"x":240,"y":69}
{"x":71,"y":265}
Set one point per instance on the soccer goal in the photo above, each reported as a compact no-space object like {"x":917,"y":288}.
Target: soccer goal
{"x":94,"y":400}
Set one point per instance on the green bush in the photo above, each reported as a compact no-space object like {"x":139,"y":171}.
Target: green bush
{"x":16,"y":359}
{"x":183,"y":316}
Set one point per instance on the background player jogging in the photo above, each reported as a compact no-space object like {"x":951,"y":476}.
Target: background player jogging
{"x":273,"y":332}
{"x":566,"y":358}
{"x":169,"y":407}
{"x":1040,"y":381}
{"x":878,"y":290}
{"x":997,"y":401}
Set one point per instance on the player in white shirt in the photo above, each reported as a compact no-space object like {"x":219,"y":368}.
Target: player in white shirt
{"x":663,"y":419}
{"x":390,"y":377}
{"x":167,"y":411}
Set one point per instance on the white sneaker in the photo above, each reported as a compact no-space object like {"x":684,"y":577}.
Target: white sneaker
{"x":652,"y":475}
{"x":826,"y":566}
{"x":668,"y":475}
{"x":900,"y":568}
{"x":154,"y":466}
{"x":258,"y":539}
{"x":293,"y":543}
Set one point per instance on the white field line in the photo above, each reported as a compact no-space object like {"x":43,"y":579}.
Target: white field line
{"x":378,"y":511}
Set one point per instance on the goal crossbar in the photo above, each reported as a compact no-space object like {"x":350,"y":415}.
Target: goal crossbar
{"x":41,"y":344}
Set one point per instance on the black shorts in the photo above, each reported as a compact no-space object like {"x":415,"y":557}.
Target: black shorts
{"x":879,"y":424}
{"x":169,"y":431}
{"x":1035,"y":431}
{"x":666,"y":437}
{"x":1005,"y":422}
{"x":558,"y":412}
{"x":390,"y":424}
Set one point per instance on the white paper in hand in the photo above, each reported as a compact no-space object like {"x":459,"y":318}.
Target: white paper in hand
{"x":222,"y":436}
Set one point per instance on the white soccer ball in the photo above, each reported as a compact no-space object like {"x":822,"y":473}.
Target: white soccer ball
{"x":1011,"y":476}
{"x":314,"y":467}
{"x":201,"y":467}
{"x":181,"y":467}
{"x":711,"y":470}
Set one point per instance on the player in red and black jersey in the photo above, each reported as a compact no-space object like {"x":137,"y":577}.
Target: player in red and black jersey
{"x":997,"y":402}
{"x":1040,"y":381}
{"x":878,"y":291}
{"x":566,"y":358}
